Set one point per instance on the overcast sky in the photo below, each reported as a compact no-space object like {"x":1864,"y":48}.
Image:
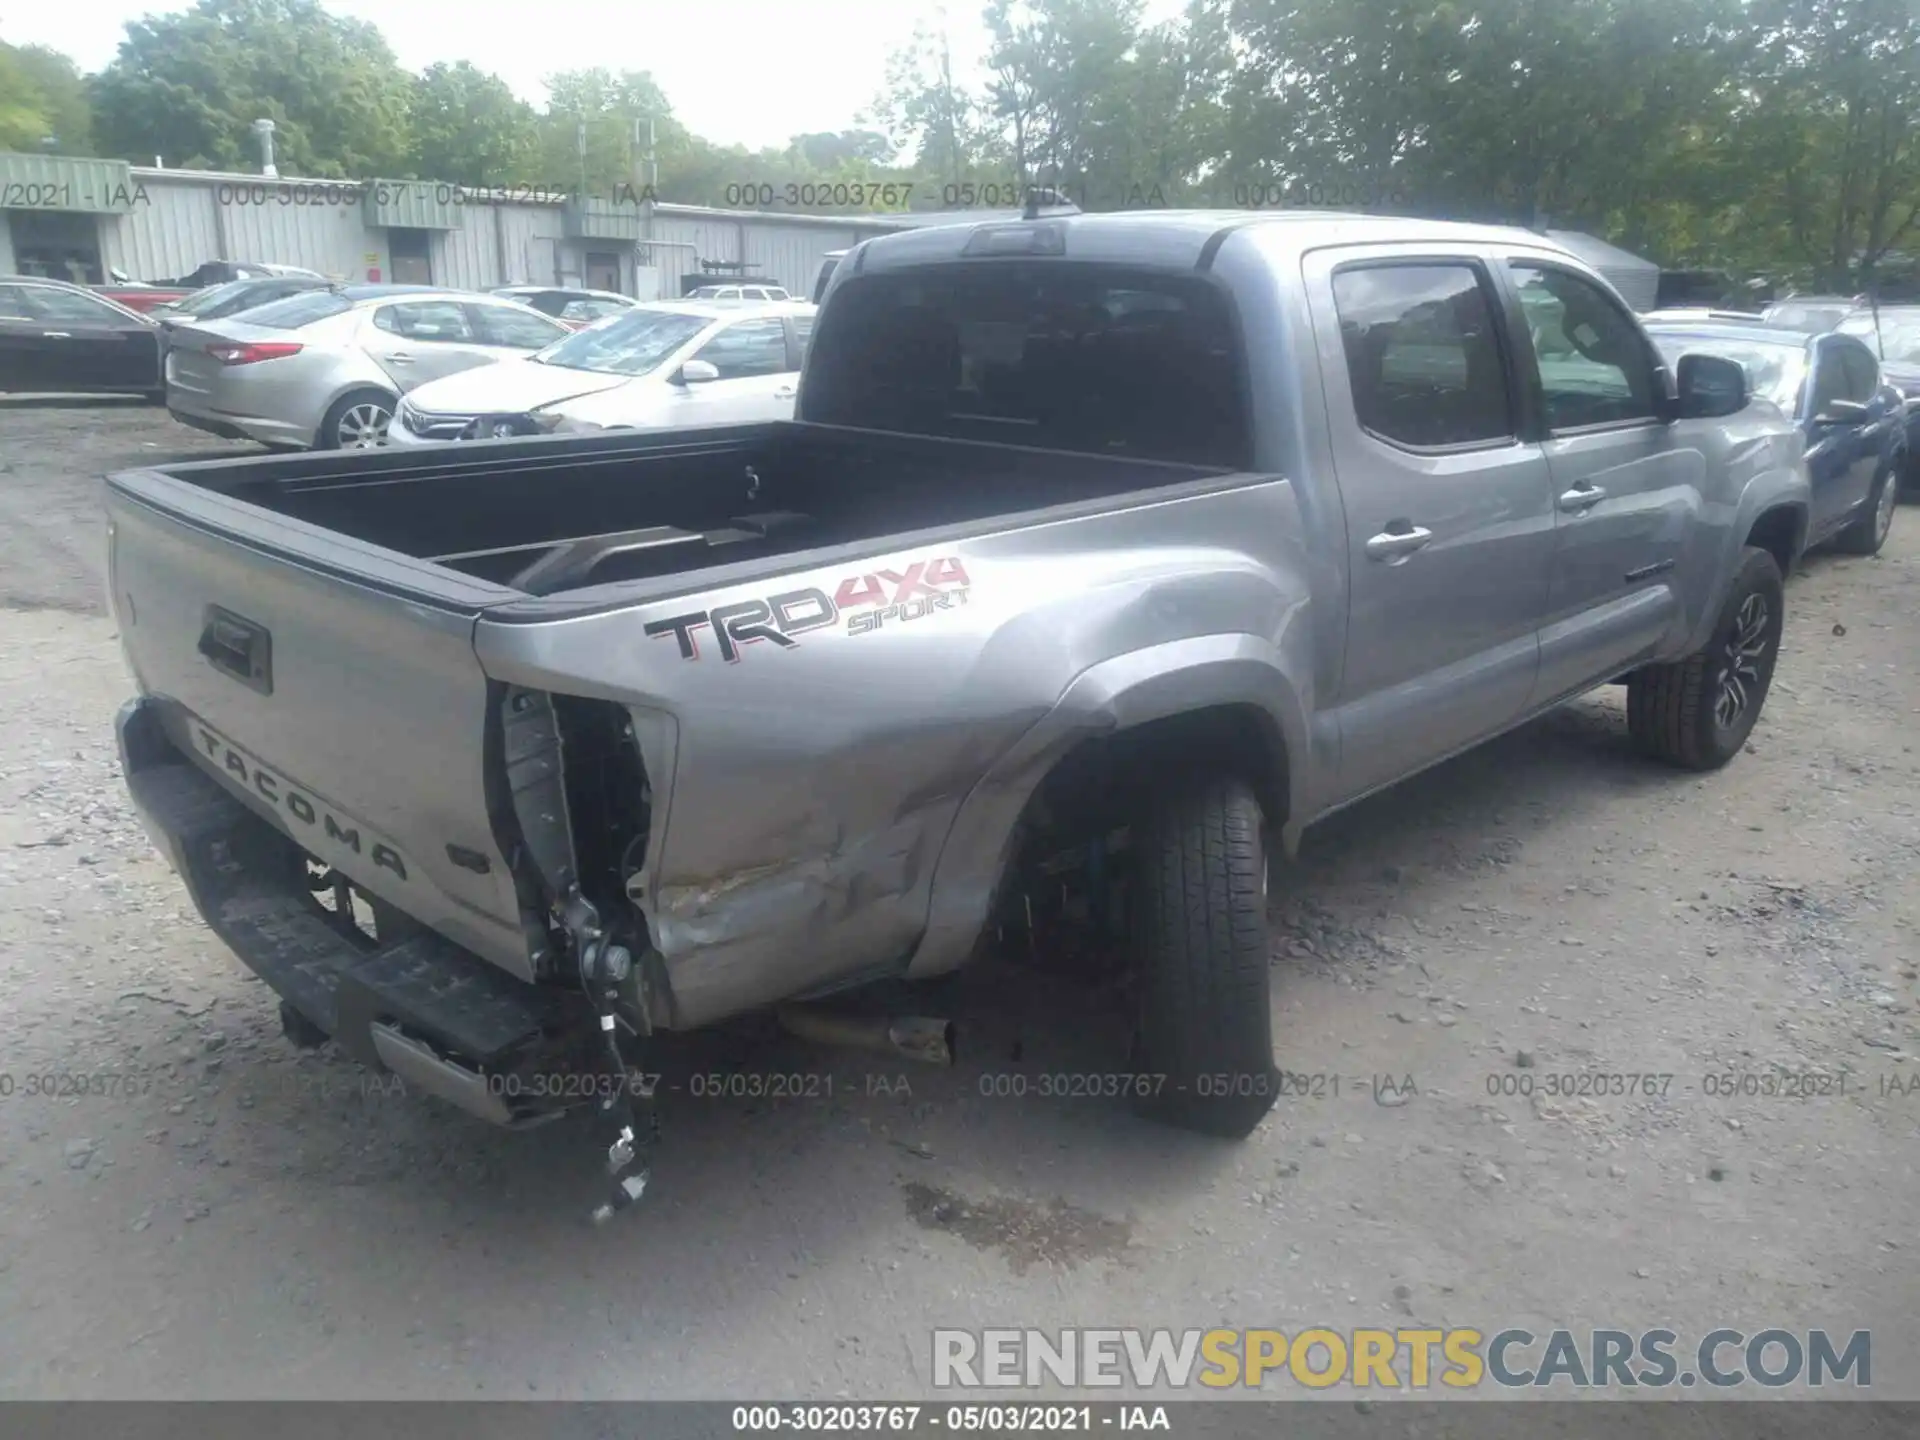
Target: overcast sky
{"x":748,"y":72}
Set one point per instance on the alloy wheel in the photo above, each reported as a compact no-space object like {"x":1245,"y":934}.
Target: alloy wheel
{"x":1883,"y":512}
{"x":1746,"y":650}
{"x":364,"y":426}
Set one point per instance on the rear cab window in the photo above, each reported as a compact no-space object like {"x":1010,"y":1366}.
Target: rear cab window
{"x":1090,"y":358}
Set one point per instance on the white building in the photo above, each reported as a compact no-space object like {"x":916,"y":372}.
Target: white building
{"x":81,"y":219}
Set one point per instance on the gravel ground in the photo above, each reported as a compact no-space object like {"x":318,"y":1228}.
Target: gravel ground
{"x":238,"y":1219}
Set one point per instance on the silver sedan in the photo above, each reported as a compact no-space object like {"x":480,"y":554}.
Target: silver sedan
{"x":325,"y":369}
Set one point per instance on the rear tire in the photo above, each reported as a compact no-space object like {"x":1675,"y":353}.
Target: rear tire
{"x":1697,"y":712}
{"x":1869,"y":531}
{"x":355,"y":419}
{"x":1203,"y":1036}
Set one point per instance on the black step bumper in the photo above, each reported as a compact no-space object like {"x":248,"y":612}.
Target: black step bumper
{"x":421,"y":1006}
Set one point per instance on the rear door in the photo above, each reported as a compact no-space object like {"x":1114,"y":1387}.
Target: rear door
{"x":91,"y":345}
{"x":1449,"y":516}
{"x":20,"y":342}
{"x":415,"y":341}
{"x":1836,"y":448}
{"x":1863,"y":386}
{"x":757,"y":376}
{"x":1626,"y":480}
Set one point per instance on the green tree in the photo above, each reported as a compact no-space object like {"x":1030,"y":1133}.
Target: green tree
{"x":42,"y":96}
{"x":1829,"y":136}
{"x":24,"y":121}
{"x":189,"y":87}
{"x":470,"y":128}
{"x":605,"y":108}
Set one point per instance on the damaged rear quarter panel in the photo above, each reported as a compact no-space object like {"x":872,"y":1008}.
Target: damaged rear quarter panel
{"x":816,"y":774}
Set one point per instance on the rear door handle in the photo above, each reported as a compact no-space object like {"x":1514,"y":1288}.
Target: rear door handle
{"x":1393,"y":546}
{"x":56,"y":335}
{"x":785,"y":392}
{"x":1583,"y":496}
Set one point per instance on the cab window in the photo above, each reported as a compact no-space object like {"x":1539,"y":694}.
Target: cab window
{"x":1594,"y":366}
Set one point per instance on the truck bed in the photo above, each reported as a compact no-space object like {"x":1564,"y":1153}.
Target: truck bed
{"x":546,"y":516}
{"x":351,"y":643}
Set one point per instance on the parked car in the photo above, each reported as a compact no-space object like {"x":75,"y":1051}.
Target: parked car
{"x":216,"y":302}
{"x":220,"y":272}
{"x":57,"y":337}
{"x":146,"y":296}
{"x":739,"y":292}
{"x":1892,"y":332}
{"x":1815,"y":314}
{"x":576,"y":309}
{"x":138,"y":296}
{"x":659,"y":366}
{"x":1082,"y":581}
{"x":1701,"y":312}
{"x":325,"y":369}
{"x":1853,"y":422}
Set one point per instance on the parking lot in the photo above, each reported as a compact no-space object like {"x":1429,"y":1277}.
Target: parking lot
{"x":202,"y":1211}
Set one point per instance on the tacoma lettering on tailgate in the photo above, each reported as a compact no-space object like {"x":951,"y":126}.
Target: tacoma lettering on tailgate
{"x":283,"y":796}
{"x":865,"y":602}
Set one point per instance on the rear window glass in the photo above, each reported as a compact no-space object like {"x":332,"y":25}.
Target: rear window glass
{"x":1067,"y":357}
{"x":297,"y":310}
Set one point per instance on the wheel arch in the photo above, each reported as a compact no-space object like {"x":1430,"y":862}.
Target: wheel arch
{"x":1228,"y":698}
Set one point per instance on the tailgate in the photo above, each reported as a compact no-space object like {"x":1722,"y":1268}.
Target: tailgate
{"x":330,"y":684}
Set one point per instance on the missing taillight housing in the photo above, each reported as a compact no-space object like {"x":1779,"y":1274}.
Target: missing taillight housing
{"x":240,"y":352}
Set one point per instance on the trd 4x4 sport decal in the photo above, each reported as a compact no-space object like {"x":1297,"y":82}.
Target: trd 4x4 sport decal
{"x":865,"y":602}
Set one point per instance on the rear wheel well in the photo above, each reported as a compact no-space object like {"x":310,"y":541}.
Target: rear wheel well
{"x":1100,"y":784}
{"x":1779,"y":532}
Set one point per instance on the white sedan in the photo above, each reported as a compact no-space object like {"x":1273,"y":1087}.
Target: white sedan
{"x":658,"y":366}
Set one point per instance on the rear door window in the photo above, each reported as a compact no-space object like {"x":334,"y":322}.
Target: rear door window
{"x":1422,"y":357}
{"x":65,"y":307}
{"x":753,"y":347}
{"x":1090,"y":358}
{"x":433,"y":321}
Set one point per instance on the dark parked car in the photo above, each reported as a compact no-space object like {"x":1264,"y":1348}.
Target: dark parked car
{"x":1852,"y":419}
{"x":1893,"y":333}
{"x":64,"y":338}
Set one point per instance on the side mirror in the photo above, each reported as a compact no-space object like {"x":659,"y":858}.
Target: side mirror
{"x":1710,"y":386}
{"x":1842,"y":412}
{"x":119,"y":277}
{"x":696,"y":372}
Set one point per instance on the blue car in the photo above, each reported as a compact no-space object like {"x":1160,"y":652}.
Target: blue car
{"x":1894,"y":335}
{"x":1853,"y":420}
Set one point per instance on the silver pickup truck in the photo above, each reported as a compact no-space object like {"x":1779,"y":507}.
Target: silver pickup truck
{"x":1104,"y":555}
